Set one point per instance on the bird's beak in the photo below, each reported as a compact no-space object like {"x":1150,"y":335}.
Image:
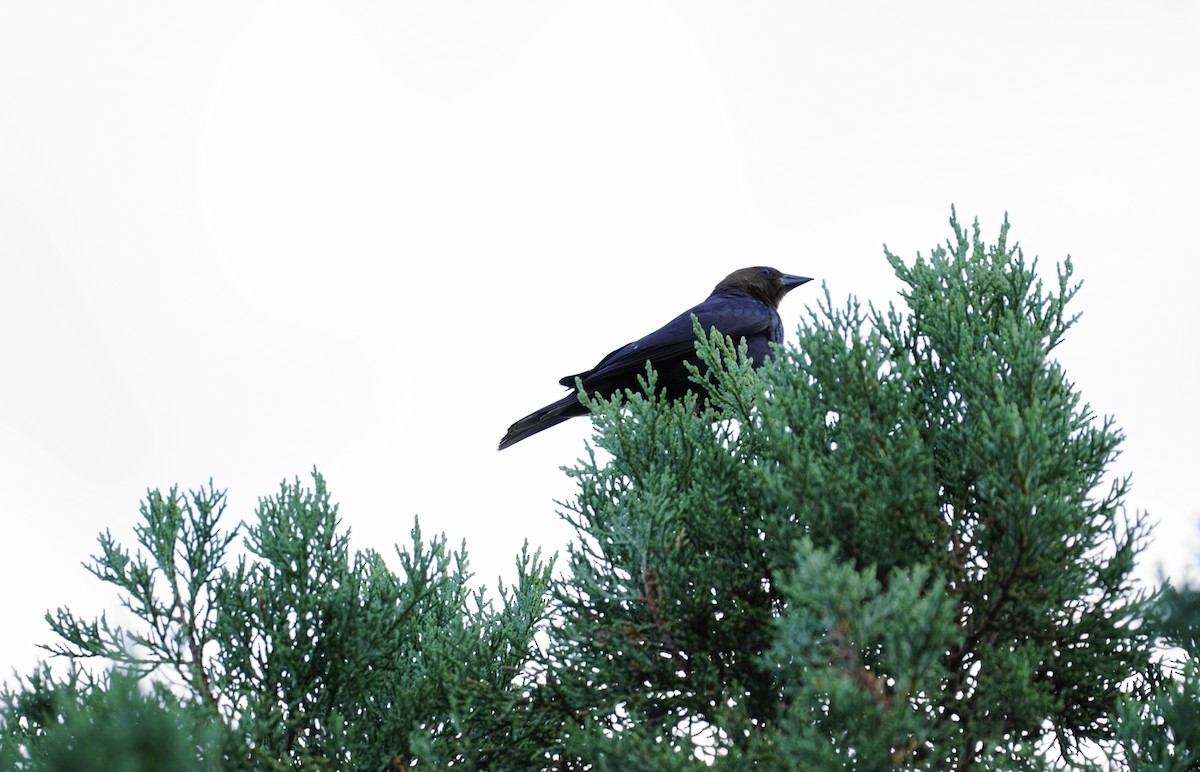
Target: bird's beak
{"x":789,"y":282}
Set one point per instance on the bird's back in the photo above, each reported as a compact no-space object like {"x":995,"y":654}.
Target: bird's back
{"x":673,"y":344}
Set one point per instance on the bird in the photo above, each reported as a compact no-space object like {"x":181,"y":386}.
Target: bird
{"x":743,"y":305}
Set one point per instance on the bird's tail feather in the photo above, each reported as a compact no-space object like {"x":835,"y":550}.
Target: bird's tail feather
{"x":539,"y":420}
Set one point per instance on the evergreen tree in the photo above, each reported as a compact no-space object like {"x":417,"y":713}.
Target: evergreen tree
{"x":299,"y":654}
{"x":892,"y":546}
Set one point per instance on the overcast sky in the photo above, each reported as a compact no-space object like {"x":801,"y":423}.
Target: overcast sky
{"x":242,"y":239}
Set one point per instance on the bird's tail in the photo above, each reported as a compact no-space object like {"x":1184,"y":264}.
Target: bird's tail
{"x":539,"y":420}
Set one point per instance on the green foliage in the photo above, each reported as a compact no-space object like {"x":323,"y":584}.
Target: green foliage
{"x":306,"y":654}
{"x":891,"y":546}
{"x":169,"y":586}
{"x":106,"y":725}
{"x":861,"y":666}
{"x":665,"y":617}
{"x":1162,"y":730}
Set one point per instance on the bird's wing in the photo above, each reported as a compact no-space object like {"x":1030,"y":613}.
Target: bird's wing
{"x":735,"y":316}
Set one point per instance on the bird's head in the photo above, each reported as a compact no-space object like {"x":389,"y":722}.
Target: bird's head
{"x":761,"y":283}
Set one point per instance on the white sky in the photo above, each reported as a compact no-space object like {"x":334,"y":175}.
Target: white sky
{"x":241,"y":239}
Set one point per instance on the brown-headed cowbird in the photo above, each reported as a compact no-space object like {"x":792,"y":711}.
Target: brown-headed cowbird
{"x":743,"y":305}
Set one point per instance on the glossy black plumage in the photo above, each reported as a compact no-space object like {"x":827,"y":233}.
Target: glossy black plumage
{"x":743,"y":305}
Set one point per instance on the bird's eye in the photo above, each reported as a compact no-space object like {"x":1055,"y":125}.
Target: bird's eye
{"x":765,"y":271}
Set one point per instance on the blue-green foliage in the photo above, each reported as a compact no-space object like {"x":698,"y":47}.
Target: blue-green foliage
{"x":894,"y":545}
{"x":109,"y":724}
{"x":861,"y":666}
{"x":301,"y":653}
{"x":1161,"y":731}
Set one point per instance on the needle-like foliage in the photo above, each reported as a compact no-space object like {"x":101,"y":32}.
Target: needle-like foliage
{"x":298,"y":654}
{"x":898,"y":544}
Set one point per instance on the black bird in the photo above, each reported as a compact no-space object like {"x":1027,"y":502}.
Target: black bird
{"x":743,"y":305}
